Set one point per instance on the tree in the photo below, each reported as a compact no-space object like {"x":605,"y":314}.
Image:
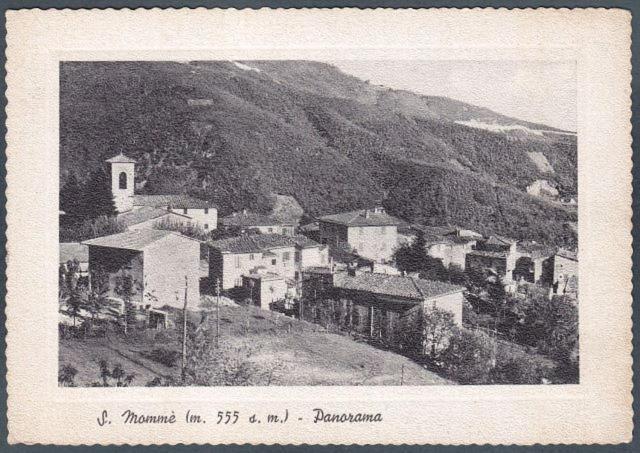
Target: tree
{"x":70,"y":293}
{"x":412,"y":257}
{"x":126,"y":288}
{"x":71,"y":200}
{"x":98,"y":302}
{"x":469,"y":357}
{"x":67,"y":375}
{"x":98,"y":198}
{"x":437,"y":328}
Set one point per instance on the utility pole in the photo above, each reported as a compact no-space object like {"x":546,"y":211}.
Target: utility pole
{"x":184,"y":328}
{"x":217,"y":312}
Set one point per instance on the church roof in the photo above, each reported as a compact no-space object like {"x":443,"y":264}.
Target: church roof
{"x":121,"y":159}
{"x":145,"y":213}
{"x":173,"y":201}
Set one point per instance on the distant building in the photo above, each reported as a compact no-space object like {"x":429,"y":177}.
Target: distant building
{"x":532,"y":263}
{"x":448,"y":244}
{"x":159,"y":262}
{"x":199,"y":212}
{"x":247,"y":222}
{"x":192,"y":210}
{"x":543,"y":188}
{"x":565,"y":272}
{"x":371,"y":233}
{"x":285,"y":256}
{"x":265,"y":289}
{"x":495,"y":254}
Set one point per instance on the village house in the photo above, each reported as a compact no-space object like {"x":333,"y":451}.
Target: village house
{"x":265,"y":289}
{"x":389,"y":306}
{"x":532,"y":263}
{"x":495,"y":254}
{"x":161,"y":264}
{"x":188,"y":209}
{"x":448,"y":244}
{"x":371,"y":233}
{"x":248,"y":222}
{"x":286,"y":256}
{"x":564,"y":265}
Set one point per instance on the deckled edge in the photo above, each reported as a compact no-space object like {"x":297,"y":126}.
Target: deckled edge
{"x":634,"y":101}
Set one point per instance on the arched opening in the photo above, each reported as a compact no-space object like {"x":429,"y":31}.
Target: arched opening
{"x":122,"y":181}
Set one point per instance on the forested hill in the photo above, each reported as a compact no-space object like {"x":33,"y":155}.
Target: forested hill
{"x":234,"y":132}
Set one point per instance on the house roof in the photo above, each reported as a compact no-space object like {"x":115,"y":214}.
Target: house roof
{"x":249,"y":219}
{"x":488,"y":253}
{"x":121,"y":159}
{"x":143,"y":214}
{"x":73,"y":250}
{"x":309,"y":227}
{"x":534,"y":249}
{"x":499,"y":240}
{"x":304,"y":242}
{"x":397,"y":285}
{"x":133,"y":240}
{"x":255,"y":243}
{"x":568,"y":254}
{"x":362,"y":217}
{"x":174,"y":201}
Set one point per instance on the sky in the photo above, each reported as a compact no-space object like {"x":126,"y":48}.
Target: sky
{"x":537,"y":91}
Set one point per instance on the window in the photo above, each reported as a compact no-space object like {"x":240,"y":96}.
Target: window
{"x":384,"y":229}
{"x":297,"y":256}
{"x":206,"y":226}
{"x":285,"y":256}
{"x":273,"y":262}
{"x":252,"y":257}
{"x":206,"y":210}
{"x":270,"y":230}
{"x":185,"y":210}
{"x":237,"y":261}
{"x":122,"y":181}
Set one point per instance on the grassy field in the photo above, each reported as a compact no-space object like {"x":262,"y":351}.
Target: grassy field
{"x":297,"y":352}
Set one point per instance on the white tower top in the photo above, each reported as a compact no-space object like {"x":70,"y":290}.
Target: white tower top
{"x":122,"y":181}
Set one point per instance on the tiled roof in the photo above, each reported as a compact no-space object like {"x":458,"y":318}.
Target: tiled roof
{"x":143,"y":214}
{"x":174,"y":201}
{"x":121,"y":159}
{"x":567,"y":254}
{"x":362,"y":217}
{"x":309,"y":227}
{"x":131,"y":240}
{"x":73,"y":250}
{"x":250,"y":219}
{"x":499,"y":240}
{"x":304,"y":242}
{"x":488,"y":253}
{"x":253,"y":243}
{"x":396,"y":285}
{"x":534,"y":249}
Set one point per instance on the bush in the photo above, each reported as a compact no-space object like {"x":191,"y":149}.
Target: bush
{"x":167,"y":357}
{"x":519,"y":368}
{"x":67,"y":375}
{"x":469,"y":357}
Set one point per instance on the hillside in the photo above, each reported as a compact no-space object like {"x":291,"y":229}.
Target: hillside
{"x":235,"y":132}
{"x":291,"y":352}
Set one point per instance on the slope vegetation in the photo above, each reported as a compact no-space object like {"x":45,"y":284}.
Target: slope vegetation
{"x":235,"y":132}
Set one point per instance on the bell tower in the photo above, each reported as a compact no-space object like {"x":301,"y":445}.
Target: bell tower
{"x":122,"y":181}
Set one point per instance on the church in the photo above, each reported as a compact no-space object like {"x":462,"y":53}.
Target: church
{"x":143,"y":211}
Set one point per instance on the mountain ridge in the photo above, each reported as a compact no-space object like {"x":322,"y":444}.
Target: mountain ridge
{"x":234,"y":134}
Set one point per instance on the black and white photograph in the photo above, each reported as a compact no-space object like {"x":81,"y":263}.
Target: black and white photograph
{"x":318,"y":223}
